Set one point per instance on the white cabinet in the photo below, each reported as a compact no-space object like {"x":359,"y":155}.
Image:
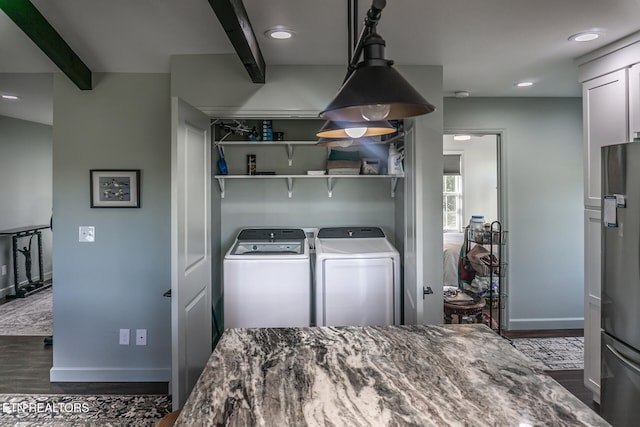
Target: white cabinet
{"x":634,"y":102}
{"x":611,"y":115}
{"x":604,"y":106}
{"x":592,"y":279}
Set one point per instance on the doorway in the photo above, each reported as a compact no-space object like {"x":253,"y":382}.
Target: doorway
{"x":472,"y":186}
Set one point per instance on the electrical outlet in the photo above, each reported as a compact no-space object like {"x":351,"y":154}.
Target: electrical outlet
{"x":87,"y":234}
{"x":141,"y":337}
{"x":124,"y":336}
{"x":4,"y":269}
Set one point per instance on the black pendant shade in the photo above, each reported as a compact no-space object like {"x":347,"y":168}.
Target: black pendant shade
{"x":373,"y":89}
{"x":339,"y":129}
{"x":376,"y":85}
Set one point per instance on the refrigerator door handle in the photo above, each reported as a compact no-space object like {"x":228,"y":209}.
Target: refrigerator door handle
{"x":623,"y":359}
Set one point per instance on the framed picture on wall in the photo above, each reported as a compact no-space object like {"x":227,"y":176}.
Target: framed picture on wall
{"x":115,"y":188}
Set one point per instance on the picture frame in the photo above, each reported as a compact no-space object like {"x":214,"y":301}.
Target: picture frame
{"x":115,"y":188}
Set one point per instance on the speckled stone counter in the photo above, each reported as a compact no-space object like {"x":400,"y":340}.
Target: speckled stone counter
{"x":461,"y":375}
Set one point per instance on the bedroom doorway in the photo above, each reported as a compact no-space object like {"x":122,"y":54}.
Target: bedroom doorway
{"x":471,"y":186}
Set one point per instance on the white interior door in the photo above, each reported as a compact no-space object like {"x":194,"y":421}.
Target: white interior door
{"x":412,"y":295}
{"x":190,"y":247}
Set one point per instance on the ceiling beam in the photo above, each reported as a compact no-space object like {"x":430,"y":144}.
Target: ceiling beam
{"x":34,"y":25}
{"x":233,"y":17}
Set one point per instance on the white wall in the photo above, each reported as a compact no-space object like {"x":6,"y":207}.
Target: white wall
{"x":118,"y":281}
{"x":542,"y":158}
{"x":25,"y":194}
{"x":479,"y":175}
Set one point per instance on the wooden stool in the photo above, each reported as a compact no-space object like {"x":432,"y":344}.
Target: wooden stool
{"x":466,"y":310}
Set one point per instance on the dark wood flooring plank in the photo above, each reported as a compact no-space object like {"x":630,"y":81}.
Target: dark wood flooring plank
{"x":544,"y":333}
{"x":25,"y":363}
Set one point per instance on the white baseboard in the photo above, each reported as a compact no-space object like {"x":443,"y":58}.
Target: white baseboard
{"x":6,"y":291}
{"x":109,"y":375}
{"x":551,"y":323}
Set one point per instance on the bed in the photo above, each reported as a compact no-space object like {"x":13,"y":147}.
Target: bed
{"x":451,"y":243}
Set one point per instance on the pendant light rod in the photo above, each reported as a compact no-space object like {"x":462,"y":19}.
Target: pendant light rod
{"x":352,"y":27}
{"x":370,"y":24}
{"x":373,"y":90}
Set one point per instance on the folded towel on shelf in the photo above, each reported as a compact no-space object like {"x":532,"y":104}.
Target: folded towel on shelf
{"x":343,"y":167}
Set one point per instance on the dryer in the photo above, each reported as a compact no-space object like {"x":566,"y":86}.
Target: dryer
{"x":267,"y":279}
{"x":357,"y":278}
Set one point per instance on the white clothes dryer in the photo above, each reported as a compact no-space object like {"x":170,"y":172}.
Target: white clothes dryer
{"x":357,"y":278}
{"x":267,"y":279}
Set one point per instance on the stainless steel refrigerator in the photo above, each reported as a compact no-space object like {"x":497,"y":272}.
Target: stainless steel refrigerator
{"x":620,"y":369}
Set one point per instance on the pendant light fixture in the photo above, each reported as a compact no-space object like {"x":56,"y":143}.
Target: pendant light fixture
{"x":351,"y":130}
{"x":373,"y":90}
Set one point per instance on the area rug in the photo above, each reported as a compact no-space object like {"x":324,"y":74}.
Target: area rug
{"x":30,"y":316}
{"x":77,"y":410}
{"x":562,"y":353}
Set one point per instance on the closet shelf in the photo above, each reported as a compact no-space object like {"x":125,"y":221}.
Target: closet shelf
{"x":331,"y":179}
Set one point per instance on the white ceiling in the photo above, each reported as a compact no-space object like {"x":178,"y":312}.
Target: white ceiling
{"x":484,"y":46}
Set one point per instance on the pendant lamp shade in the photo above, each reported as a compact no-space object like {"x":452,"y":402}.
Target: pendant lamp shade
{"x":371,"y":85}
{"x":373,"y":89}
{"x":345,"y":130}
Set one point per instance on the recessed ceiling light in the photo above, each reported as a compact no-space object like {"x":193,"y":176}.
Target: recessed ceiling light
{"x":11,"y":97}
{"x":586,"y":36}
{"x":461,"y":137}
{"x":279,"y":33}
{"x":524,"y":84}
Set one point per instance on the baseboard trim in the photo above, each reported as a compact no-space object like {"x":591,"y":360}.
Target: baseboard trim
{"x":6,"y":291}
{"x":79,"y":375}
{"x":551,"y":323}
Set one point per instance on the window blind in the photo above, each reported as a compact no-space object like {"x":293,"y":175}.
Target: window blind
{"x":452,"y":164}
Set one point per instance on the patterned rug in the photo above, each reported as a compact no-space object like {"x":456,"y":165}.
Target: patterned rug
{"x":65,"y":410}
{"x":30,"y":316}
{"x":563,"y":353}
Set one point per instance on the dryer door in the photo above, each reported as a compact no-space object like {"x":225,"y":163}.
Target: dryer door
{"x":358,"y":292}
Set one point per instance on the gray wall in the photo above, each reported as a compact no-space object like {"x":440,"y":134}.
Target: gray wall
{"x":118,"y":281}
{"x":262,"y":203}
{"x":542,"y":159}
{"x":219,"y":86}
{"x":25,"y":171}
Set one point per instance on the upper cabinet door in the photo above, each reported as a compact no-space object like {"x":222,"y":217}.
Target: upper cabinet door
{"x":605,"y":119}
{"x":634,"y":102}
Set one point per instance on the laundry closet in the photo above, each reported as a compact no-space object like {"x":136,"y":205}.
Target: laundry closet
{"x":280,"y":192}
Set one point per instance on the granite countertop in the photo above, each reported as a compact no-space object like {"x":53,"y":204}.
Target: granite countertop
{"x":428,"y":375}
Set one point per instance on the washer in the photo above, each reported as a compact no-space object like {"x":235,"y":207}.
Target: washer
{"x":357,"y":278}
{"x":267,"y":279}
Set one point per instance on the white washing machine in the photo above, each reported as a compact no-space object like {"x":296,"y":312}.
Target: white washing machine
{"x":357,"y":278}
{"x":267,"y":279}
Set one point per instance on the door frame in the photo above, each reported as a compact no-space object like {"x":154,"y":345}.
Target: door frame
{"x":502,"y":202}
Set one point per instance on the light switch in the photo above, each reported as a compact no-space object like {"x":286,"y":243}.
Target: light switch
{"x":87,"y":234}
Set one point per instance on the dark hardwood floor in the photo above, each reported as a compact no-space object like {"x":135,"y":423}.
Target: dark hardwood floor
{"x":544,"y":333}
{"x":24,"y":369}
{"x":572,"y":380}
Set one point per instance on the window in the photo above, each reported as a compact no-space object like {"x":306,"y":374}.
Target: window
{"x":452,"y":203}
